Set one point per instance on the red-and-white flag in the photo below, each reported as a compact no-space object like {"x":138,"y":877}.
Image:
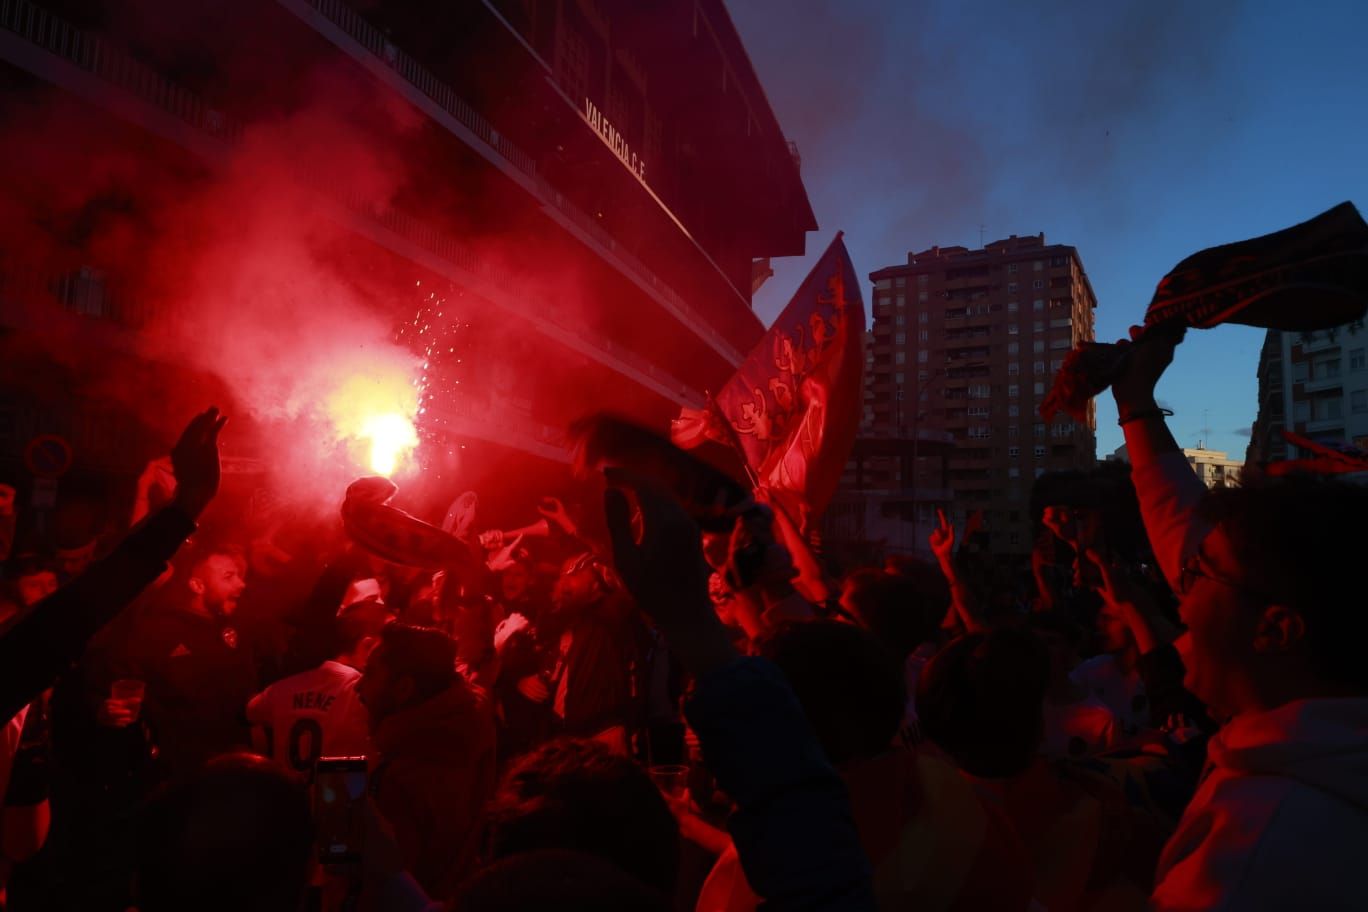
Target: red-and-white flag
{"x":793,"y":406}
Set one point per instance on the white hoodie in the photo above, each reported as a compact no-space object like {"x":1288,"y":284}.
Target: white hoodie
{"x":1281,"y":819}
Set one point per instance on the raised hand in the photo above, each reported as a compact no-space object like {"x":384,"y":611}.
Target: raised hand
{"x":555,"y":512}
{"x":1148,"y":355}
{"x":943,"y":537}
{"x":195,"y":462}
{"x":491,"y":540}
{"x":502,"y":559}
{"x":1131,"y":602}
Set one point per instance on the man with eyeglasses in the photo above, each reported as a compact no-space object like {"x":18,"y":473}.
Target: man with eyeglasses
{"x":1271,"y":596}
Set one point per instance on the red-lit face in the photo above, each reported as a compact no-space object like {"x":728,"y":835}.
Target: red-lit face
{"x":1218,"y":648}
{"x":219,"y":582}
{"x":514,"y":581}
{"x":576,"y":590}
{"x":716,"y":547}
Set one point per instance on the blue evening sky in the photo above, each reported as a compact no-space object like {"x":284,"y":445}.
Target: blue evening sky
{"x":1139,"y":131}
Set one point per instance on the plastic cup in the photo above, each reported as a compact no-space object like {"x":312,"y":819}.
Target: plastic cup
{"x":129,"y":692}
{"x":671,"y":779}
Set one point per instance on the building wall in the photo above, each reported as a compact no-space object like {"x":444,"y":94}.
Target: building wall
{"x":1214,"y":467}
{"x":1266,"y":443}
{"x":1325,"y":385}
{"x":615,"y":303}
{"x":967,"y":342}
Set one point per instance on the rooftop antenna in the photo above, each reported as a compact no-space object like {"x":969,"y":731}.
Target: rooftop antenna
{"x":1206,"y":429}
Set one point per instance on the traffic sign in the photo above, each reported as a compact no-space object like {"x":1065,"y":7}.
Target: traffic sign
{"x":48,"y":456}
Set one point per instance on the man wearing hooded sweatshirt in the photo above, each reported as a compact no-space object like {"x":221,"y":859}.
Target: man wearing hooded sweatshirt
{"x":432,"y":760}
{"x":1267,"y":578}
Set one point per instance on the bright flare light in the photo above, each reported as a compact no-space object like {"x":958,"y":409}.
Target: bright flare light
{"x":375,"y":409}
{"x":391,"y":436}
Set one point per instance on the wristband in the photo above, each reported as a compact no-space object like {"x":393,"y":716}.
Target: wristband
{"x":1144,"y":413}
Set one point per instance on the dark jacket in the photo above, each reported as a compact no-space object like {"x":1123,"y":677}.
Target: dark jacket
{"x":432,"y":772}
{"x":200,"y":672}
{"x":793,"y":827}
{"x":50,"y":638}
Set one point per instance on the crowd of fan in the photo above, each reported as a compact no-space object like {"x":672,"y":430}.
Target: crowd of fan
{"x":1170,"y":711}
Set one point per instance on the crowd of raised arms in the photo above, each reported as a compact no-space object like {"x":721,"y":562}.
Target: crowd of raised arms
{"x":1169,"y":711}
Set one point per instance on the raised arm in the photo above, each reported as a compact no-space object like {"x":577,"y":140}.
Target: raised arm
{"x":1168,"y":489}
{"x":961,"y":599}
{"x":52,"y":636}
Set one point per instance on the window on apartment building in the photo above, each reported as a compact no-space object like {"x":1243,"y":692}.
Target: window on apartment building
{"x":901,"y":357}
{"x":1013,"y":472}
{"x":900,"y":338}
{"x":900,"y":282}
{"x":1040,"y":470}
{"x":1013,"y":432}
{"x":1038,"y":346}
{"x":1013,"y":410}
{"x":900,"y":301}
{"x":978,"y":411}
{"x":1012,"y":268}
{"x":1300,"y":371}
{"x":1038,"y":305}
{"x":1356,"y":360}
{"x":1055,"y":364}
{"x":1012,"y":329}
{"x":980,"y":391}
{"x":883,"y":284}
{"x":1013,"y":307}
{"x":923,"y":317}
{"x":1013,"y":390}
{"x":1011,"y":287}
{"x":922,"y":280}
{"x":1326,"y":407}
{"x":922,"y":376}
{"x":1038,"y":326}
{"x":1061,"y":342}
{"x":898,"y":378}
{"x":1039,"y":429}
{"x":923,"y":335}
{"x":1039,"y":388}
{"x":1358,"y":402}
{"x":1326,"y":368}
{"x":1013,"y":452}
{"x":921,"y":356}
{"x":1038,"y":265}
{"x":980,"y":432}
{"x":1013,"y":368}
{"x":1038,"y":284}
{"x":900,"y":320}
{"x":1013,"y":348}
{"x":1301,"y":410}
{"x":1039,"y":451}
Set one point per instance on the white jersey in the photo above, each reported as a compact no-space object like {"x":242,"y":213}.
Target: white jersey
{"x":312,"y":714}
